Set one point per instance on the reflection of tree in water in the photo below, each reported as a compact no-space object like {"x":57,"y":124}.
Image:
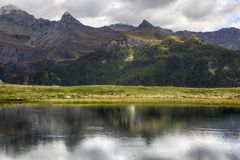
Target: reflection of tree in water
{"x":22,"y":129}
{"x":155,"y":120}
{"x":119,"y":117}
{"x":12,"y":121}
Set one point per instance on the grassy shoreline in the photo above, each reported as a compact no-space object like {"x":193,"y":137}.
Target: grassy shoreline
{"x":23,"y":94}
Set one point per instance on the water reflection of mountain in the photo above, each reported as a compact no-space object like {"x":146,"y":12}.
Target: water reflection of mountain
{"x":22,"y":129}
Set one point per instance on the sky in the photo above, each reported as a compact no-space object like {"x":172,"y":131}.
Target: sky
{"x":194,"y":15}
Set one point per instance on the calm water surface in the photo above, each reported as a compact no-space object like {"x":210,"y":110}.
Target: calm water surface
{"x":119,"y":133}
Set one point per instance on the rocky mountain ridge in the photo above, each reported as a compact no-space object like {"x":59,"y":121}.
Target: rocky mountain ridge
{"x":67,"y":52}
{"x":23,"y":38}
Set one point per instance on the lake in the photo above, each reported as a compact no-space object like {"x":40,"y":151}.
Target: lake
{"x":119,"y":133}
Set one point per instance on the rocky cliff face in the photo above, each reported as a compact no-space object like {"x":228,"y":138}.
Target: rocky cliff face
{"x":25,"y":39}
{"x":20,"y":22}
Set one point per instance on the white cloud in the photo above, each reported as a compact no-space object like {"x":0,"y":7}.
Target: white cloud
{"x":236,"y":25}
{"x":97,"y":21}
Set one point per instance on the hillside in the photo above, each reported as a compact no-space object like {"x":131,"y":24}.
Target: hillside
{"x":25,"y":39}
{"x":226,"y":37}
{"x":129,"y":61}
{"x":67,"y":52}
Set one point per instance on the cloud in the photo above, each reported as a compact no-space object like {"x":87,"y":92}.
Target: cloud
{"x":149,"y":4}
{"x":236,"y":23}
{"x":174,"y":14}
{"x":50,"y":9}
{"x":86,"y":8}
{"x":196,"y":9}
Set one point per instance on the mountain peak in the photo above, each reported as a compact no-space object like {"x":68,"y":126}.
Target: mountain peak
{"x":145,"y":24}
{"x":68,"y":18}
{"x":67,"y":14}
{"x":8,"y":9}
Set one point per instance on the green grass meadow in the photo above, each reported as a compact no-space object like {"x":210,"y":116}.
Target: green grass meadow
{"x":109,"y":94}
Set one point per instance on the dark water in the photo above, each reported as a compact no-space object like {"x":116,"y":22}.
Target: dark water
{"x":119,"y":133}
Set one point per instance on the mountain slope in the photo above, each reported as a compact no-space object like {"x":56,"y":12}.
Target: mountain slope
{"x":172,"y":61}
{"x":24,"y":39}
{"x":147,"y":31}
{"x":66,"y":52}
{"x":227,"y":37}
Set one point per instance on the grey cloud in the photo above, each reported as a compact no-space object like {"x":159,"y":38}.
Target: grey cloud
{"x":39,"y":8}
{"x":86,"y":8}
{"x":145,"y":4}
{"x":134,"y":11}
{"x":174,"y":14}
{"x":196,"y":9}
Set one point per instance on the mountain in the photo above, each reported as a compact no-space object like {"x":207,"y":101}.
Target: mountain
{"x":226,"y":37}
{"x":25,"y":39}
{"x":16,"y":20}
{"x":145,"y":25}
{"x":68,"y":20}
{"x":147,"y":31}
{"x":172,"y":61}
{"x":122,"y":27}
{"x":67,"y":52}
